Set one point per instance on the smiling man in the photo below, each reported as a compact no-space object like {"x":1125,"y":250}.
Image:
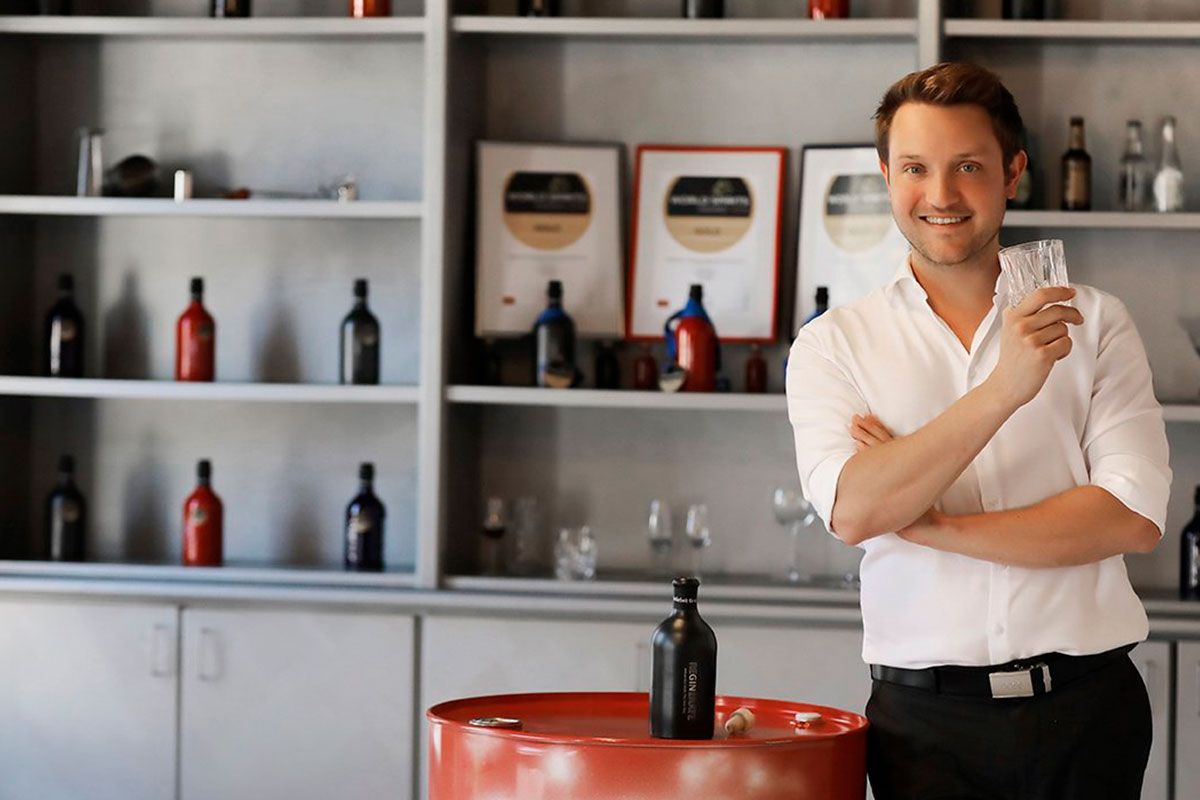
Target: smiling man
{"x":995,"y":464}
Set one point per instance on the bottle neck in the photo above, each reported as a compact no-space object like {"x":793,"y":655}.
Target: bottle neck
{"x":197,"y":298}
{"x":1133,"y":142}
{"x":1168,"y":143}
{"x":694,"y":308}
{"x":67,"y":479}
{"x":683,"y":605}
{"x":1077,"y":140}
{"x":203,"y":482}
{"x":366,"y":486}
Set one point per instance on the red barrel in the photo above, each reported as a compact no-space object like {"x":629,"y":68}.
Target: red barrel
{"x":587,"y":746}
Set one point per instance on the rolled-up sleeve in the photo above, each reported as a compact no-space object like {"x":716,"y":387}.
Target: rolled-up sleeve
{"x":821,"y":399}
{"x":1125,"y":440}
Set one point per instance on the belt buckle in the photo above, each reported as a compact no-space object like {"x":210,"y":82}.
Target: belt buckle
{"x":1018,"y":682}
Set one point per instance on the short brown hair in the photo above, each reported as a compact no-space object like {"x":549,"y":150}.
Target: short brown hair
{"x":953,"y":83}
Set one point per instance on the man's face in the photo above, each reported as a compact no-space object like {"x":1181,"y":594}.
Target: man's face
{"x":947,"y":181}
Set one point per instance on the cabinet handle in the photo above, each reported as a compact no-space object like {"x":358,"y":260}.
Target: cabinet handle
{"x":209,"y":668}
{"x":162,"y":651}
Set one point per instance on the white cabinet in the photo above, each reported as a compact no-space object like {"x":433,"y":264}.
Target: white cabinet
{"x":1153,"y":660}
{"x":823,"y":666}
{"x":296,"y":704}
{"x":89,"y":700}
{"x":1187,"y":722}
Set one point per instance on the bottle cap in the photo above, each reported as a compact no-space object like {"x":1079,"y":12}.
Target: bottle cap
{"x":686,"y":589}
{"x":360,"y":287}
{"x":204,"y":469}
{"x":366,"y":471}
{"x":66,"y":283}
{"x":696,"y":292}
{"x":822,"y":294}
{"x":66,"y":464}
{"x":197,"y":287}
{"x":1076,"y":120}
{"x":804,"y":719}
{"x":554,"y":290}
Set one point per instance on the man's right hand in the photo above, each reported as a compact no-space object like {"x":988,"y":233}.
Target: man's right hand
{"x":1033,"y":338}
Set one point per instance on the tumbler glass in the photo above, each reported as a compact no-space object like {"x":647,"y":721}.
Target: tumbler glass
{"x":1031,"y":266}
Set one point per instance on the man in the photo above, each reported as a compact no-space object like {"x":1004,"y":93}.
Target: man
{"x":995,"y":464}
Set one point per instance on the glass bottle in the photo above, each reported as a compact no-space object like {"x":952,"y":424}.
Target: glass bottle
{"x":195,"y":339}
{"x":491,"y":545}
{"x":1076,"y":171}
{"x":684,"y":680}
{"x":64,"y":333}
{"x":645,"y":370}
{"x":1168,"y":181}
{"x":693,"y":343}
{"x":1189,"y":555}
{"x":359,"y":356}
{"x":822,"y":304}
{"x":554,"y":340}
{"x":608,"y":371}
{"x":363,"y":544}
{"x":203,"y":522}
{"x":66,"y":516}
{"x":756,"y":371}
{"x":1024,"y":9}
{"x":539,"y":8}
{"x":1026,"y":185}
{"x":702,"y":9}
{"x":1134,"y":187}
{"x":370,"y":8}
{"x":230,"y":8}
{"x":829,"y":9}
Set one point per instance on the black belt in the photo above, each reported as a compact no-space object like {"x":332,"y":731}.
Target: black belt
{"x":1024,"y":677}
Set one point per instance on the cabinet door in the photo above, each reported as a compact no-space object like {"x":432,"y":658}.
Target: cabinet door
{"x":823,"y":666}
{"x":1153,"y":660}
{"x":88,"y":706}
{"x":296,"y":704}
{"x":1187,"y":722}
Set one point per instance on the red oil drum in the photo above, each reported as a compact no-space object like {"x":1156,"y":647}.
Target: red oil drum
{"x":587,"y":746}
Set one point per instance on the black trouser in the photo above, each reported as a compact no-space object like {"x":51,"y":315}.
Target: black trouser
{"x":1090,"y":739}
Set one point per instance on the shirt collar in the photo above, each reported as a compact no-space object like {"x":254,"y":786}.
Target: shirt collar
{"x":905,"y":284}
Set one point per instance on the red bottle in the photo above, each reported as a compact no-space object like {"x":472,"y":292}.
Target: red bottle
{"x":693,"y":343}
{"x":645,"y":371}
{"x":756,"y":372}
{"x":195,"y":340}
{"x":370,"y":8}
{"x":203,"y":519}
{"x":829,"y":9}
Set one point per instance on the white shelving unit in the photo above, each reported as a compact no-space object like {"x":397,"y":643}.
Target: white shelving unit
{"x":633,"y":29}
{"x":250,"y":209}
{"x":93,"y":388}
{"x":1061,"y":31}
{"x":264,"y":28}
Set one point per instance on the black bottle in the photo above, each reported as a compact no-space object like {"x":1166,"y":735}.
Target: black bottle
{"x":700,"y":9}
{"x":608,"y":370}
{"x":359,"y":358}
{"x":230,"y":8}
{"x":1024,"y":9}
{"x":683,"y":687}
{"x":539,"y":8}
{"x":64,"y":334}
{"x":1189,"y":556}
{"x":66,"y":517}
{"x":364,"y":525}
{"x":554,"y":340}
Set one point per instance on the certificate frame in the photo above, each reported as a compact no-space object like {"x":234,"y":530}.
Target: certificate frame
{"x":549,"y":211}
{"x":664,"y":259}
{"x":854,"y":250}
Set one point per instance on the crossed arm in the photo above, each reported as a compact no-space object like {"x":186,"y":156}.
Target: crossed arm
{"x":1079,"y":526}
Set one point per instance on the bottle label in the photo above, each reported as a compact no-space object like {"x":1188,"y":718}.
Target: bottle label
{"x":204,"y":331}
{"x":199,"y":516}
{"x":1193,"y":562}
{"x":691,"y":691}
{"x":70,"y":512}
{"x":1077,"y":184}
{"x":67,"y":330}
{"x":691,"y":601}
{"x":360,"y":524}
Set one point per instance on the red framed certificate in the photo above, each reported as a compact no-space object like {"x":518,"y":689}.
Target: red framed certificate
{"x":712,"y":216}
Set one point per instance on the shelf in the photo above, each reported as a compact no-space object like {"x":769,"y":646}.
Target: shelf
{"x":629,"y":584}
{"x":204,"y":27}
{"x":640,"y":28}
{"x":233,"y":573}
{"x":595,"y":398}
{"x":1111,"y":220}
{"x":94,"y":388}
{"x":156,"y":207}
{"x":1073,"y":31}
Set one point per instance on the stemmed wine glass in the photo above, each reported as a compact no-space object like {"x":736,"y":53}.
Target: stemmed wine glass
{"x":698,"y":534}
{"x":796,"y":513}
{"x":661,"y":535}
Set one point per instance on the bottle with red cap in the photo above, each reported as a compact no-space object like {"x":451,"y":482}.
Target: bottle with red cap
{"x":203,"y":522}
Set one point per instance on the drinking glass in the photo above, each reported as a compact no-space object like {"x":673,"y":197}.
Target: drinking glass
{"x":796,"y":514}
{"x":661,"y":535}
{"x":698,"y":534}
{"x":575,"y":554}
{"x":1032,"y":265}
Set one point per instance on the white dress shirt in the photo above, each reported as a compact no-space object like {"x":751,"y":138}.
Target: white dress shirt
{"x":1095,"y":421}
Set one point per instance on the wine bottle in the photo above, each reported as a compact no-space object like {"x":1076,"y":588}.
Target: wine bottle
{"x":756,"y":371}
{"x":66,"y":517}
{"x":203,"y":522}
{"x":195,"y":339}
{"x":64,"y":333}
{"x":703,"y":9}
{"x":538,"y":8}
{"x":1189,"y":555}
{"x":608,"y":371}
{"x":1024,"y":9}
{"x":554,"y":337}
{"x":684,"y":681}
{"x":1168,"y":181}
{"x":230,"y":8}
{"x":364,"y":525}
{"x":645,"y":370}
{"x":1076,"y":171}
{"x":359,"y":357}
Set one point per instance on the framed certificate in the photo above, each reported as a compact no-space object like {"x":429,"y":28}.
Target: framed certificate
{"x":707,"y":215}
{"x":548,"y":212}
{"x":849,"y":242}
